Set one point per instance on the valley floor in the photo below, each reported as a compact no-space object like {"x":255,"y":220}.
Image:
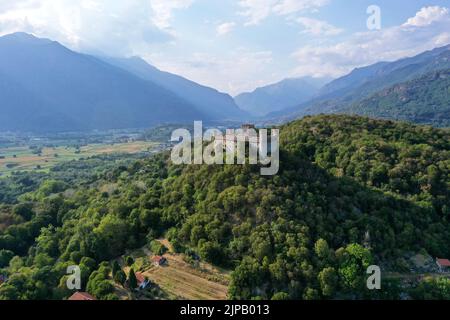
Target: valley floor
{"x":23,"y":159}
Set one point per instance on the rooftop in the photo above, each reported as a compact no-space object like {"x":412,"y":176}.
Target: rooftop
{"x":443,"y":262}
{"x":140,"y":278}
{"x":158,"y":259}
{"x":81,"y":296}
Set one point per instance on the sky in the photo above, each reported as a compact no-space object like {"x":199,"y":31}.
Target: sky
{"x":237,"y":45}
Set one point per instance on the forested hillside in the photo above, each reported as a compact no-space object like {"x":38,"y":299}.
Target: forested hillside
{"x":424,"y":100}
{"x":351,"y":192}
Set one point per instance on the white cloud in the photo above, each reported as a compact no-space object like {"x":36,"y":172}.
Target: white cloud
{"x":442,"y":39}
{"x":225,"y":28}
{"x":427,"y":16}
{"x":292,"y":6}
{"x":112,"y":26}
{"x":236,"y":71}
{"x":370,"y":47}
{"x":163,"y":11}
{"x":258,"y":10}
{"x":318,"y":27}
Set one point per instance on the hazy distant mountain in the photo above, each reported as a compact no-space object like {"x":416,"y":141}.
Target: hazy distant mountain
{"x":24,"y":110}
{"x":425,"y":100}
{"x":278,"y":96}
{"x":384,"y":74}
{"x":210,"y":101}
{"x":362,"y":83}
{"x":351,"y":81}
{"x":47,"y":87}
{"x":380,"y":76}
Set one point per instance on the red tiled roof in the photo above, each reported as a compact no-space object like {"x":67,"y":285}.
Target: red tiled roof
{"x":158,"y":259}
{"x":81,"y":296}
{"x":443,"y":262}
{"x":140,"y":278}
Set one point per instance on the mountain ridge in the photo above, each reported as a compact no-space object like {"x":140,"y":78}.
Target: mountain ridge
{"x":364,"y":82}
{"x":84,"y":92}
{"x":425,"y":100}
{"x":279,"y":95}
{"x":89,"y":93}
{"x":206,"y":99}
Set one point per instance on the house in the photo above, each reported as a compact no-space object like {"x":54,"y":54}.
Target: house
{"x":142,"y":282}
{"x":82,"y":296}
{"x":159,"y":261}
{"x":443,"y":265}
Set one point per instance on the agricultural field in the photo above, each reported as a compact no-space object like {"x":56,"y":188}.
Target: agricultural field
{"x":179,"y":279}
{"x":184,"y":281}
{"x":25,"y":158}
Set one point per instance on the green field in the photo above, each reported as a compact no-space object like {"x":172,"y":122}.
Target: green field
{"x":22,"y":158}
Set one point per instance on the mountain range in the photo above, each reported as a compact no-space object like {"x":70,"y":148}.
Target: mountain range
{"x":372,"y":81}
{"x":278,"y":96}
{"x":425,"y":100}
{"x":47,"y":87}
{"x":207,"y":100}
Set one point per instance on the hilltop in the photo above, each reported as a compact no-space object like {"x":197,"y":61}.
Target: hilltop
{"x":351,"y":192}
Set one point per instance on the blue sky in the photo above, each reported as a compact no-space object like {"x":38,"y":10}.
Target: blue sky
{"x":237,"y":45}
